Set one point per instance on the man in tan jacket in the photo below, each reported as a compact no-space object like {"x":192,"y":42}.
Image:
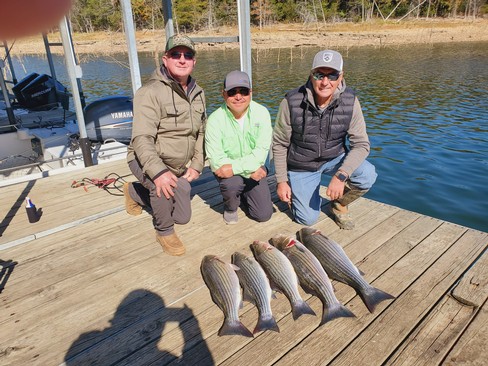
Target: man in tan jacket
{"x":166,"y":151}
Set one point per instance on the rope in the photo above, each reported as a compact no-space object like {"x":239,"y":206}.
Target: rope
{"x":107,"y":183}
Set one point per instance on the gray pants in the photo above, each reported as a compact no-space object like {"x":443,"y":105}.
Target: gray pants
{"x":166,"y":212}
{"x":256,"y":196}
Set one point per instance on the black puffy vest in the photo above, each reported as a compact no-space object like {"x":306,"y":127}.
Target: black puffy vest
{"x":317,"y":137}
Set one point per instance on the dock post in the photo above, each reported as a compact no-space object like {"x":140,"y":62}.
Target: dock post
{"x":74,"y":72}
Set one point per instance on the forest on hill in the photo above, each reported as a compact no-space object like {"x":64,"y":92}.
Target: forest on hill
{"x":195,"y":15}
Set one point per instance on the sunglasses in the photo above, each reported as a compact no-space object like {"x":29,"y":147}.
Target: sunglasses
{"x":242,"y":91}
{"x":176,"y":55}
{"x":320,"y":76}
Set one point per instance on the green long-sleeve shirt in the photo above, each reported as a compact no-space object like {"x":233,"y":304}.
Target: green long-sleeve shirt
{"x":245,"y":148}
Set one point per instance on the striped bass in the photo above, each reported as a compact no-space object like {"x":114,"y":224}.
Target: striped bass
{"x":339,"y":267}
{"x":256,"y":289}
{"x":223,"y":284}
{"x":282,"y":276}
{"x":312,"y":276}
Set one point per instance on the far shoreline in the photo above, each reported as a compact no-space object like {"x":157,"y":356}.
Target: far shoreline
{"x":334,"y":35}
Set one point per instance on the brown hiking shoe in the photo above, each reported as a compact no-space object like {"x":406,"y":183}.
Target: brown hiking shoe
{"x":343,"y":219}
{"x":131,"y":206}
{"x":171,"y":244}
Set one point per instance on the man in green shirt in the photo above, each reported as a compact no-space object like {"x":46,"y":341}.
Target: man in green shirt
{"x":237,"y":142}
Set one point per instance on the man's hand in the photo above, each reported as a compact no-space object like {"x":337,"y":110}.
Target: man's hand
{"x":191,"y":174}
{"x":284,"y":192}
{"x":225,"y":171}
{"x":335,"y":190}
{"x":165,"y":184}
{"x":259,"y":174}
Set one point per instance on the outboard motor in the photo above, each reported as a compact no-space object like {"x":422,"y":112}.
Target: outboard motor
{"x":38,"y":92}
{"x":109,"y":118}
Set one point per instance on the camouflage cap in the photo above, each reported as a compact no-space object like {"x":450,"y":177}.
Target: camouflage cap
{"x":180,"y":40}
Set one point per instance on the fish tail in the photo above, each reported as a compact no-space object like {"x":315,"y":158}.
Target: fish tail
{"x":234,"y":328}
{"x":299,"y":308}
{"x":372,"y":296}
{"x":335,"y":311}
{"x":266,"y":324}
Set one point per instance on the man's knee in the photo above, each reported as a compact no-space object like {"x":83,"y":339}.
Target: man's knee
{"x":306,"y":219}
{"x":364,"y":177}
{"x":261,"y":215}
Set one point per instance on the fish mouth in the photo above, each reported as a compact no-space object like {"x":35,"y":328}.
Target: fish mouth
{"x":291,"y":243}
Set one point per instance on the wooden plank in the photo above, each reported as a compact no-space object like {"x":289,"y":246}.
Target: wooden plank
{"x":472,"y":290}
{"x":383,"y":336}
{"x":435,"y":336}
{"x":471,"y":348}
{"x":55,"y":197}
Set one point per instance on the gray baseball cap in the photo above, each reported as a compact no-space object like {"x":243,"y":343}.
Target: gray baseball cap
{"x":180,"y":40}
{"x":235,"y":79}
{"x":328,"y":58}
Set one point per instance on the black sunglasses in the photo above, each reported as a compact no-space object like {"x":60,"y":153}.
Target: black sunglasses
{"x":242,"y":91}
{"x":320,"y":76}
{"x":176,"y":55}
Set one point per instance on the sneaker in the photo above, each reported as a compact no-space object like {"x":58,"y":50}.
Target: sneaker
{"x":131,"y":206}
{"x":171,"y":244}
{"x":230,"y":217}
{"x":343,"y":219}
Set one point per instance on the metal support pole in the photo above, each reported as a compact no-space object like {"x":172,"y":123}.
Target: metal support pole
{"x":10,"y":63}
{"x":74,"y":72}
{"x":49,"y":56}
{"x":168,"y":18}
{"x":244,"y":19}
{"x":135,"y":72}
{"x":6,"y":97}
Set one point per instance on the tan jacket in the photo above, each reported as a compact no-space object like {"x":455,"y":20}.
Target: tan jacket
{"x":168,"y":127}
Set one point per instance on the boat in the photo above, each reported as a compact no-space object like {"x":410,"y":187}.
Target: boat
{"x":40,"y":135}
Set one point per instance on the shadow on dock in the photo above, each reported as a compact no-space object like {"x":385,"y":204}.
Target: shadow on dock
{"x":7,"y":267}
{"x":135,"y":335}
{"x":16,"y":206}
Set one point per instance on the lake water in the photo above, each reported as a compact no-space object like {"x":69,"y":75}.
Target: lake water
{"x":425,"y":108}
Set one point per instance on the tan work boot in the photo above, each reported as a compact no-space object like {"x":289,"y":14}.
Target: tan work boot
{"x":171,"y":244}
{"x":131,"y":206}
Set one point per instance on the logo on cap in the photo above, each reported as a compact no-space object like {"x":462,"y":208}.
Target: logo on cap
{"x":327,"y":57}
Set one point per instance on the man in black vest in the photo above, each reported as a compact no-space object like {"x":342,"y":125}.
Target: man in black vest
{"x":320,"y":129}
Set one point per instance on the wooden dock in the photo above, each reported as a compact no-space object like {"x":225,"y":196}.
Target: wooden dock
{"x":89,"y":285}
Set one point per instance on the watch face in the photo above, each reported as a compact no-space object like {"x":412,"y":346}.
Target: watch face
{"x":342,"y":177}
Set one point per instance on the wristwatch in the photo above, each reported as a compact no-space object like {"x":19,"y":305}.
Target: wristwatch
{"x":341,"y":176}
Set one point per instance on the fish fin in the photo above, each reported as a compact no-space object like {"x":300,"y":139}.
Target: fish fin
{"x":299,"y":308}
{"x":247,"y":297}
{"x":273,"y":294}
{"x":308,"y":289}
{"x":234,"y":267}
{"x":234,"y":328}
{"x":372,"y":296}
{"x":266,"y":324}
{"x":360,"y":272}
{"x":335,"y":311}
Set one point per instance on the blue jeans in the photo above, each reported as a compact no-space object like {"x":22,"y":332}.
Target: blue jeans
{"x":305,"y":186}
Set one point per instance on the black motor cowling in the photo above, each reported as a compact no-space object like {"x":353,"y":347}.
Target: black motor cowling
{"x":38,"y":92}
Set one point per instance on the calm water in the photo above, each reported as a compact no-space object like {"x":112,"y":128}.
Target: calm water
{"x":425,"y":108}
